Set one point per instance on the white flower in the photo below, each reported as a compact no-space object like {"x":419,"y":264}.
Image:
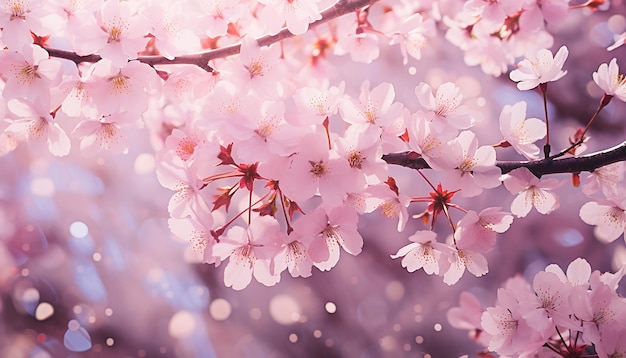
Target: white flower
{"x":610,"y":80}
{"x":541,"y":69}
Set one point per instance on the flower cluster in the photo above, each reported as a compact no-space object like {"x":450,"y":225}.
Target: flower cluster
{"x":270,"y":163}
{"x":561,"y":314}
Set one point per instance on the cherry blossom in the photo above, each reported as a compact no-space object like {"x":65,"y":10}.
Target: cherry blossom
{"x":445,"y":108}
{"x":473,"y":167}
{"x":578,"y":272}
{"x":478,"y":230}
{"x":330,"y":230}
{"x":375,"y":114}
{"x":19,"y":17}
{"x":362,"y":47}
{"x":125,"y":89}
{"x":412,"y":35}
{"x":183,"y":143}
{"x":510,"y":333}
{"x":103,"y":134}
{"x":188,"y":199}
{"x":117,"y":36}
{"x":424,"y":252}
{"x":315,"y":168}
{"x":171,"y":36}
{"x":610,"y":80}
{"x":294,"y":256}
{"x":605,"y":179}
{"x":520,"y":132}
{"x":297,"y":14}
{"x":316,"y":105}
{"x":464,"y":258}
{"x":391,"y":202}
{"x":531,"y":191}
{"x":564,"y":314}
{"x":272,"y":145}
{"x":198,"y":235}
{"x":213,"y":16}
{"x":608,"y":216}
{"x":467,"y":317}
{"x":250,"y":253}
{"x":30,"y":73}
{"x":257,"y":68}
{"x":542,"y":68}
{"x":36,"y":124}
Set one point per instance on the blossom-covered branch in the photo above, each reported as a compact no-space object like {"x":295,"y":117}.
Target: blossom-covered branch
{"x":585,"y":163}
{"x":202,"y":59}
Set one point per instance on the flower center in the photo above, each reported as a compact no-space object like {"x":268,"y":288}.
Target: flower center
{"x":318,"y":169}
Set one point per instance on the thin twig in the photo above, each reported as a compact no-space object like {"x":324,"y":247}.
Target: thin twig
{"x":585,"y":163}
{"x":202,"y":59}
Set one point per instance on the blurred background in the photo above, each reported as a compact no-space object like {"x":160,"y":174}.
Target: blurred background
{"x":88,"y":267}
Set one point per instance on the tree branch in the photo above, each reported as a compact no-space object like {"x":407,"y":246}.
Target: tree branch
{"x":585,"y":163}
{"x":202,"y":59}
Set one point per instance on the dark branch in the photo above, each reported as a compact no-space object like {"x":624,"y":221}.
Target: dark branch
{"x":201,"y":60}
{"x":585,"y":163}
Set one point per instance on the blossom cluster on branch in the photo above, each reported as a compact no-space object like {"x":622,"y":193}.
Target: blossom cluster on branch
{"x":271,"y":162}
{"x":560,"y":314}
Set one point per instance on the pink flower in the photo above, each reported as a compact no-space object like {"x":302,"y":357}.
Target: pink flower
{"x":490,"y":53}
{"x":542,"y":68}
{"x":213,"y":16}
{"x":363,"y":152}
{"x":168,"y":25}
{"x":29,"y":73}
{"x":467,"y":317}
{"x":392,"y":203}
{"x":510,"y":332}
{"x":19,"y":17}
{"x":605,"y":179}
{"x":610,"y":80}
{"x":297,"y":14}
{"x":531,"y":192}
{"x":478,"y":230}
{"x":315,"y":168}
{"x":316,"y":105}
{"x":36,"y":124}
{"x":425,"y":253}
{"x":412,"y":36}
{"x":294,"y":256}
{"x":262,"y":136}
{"x":445,"y":108}
{"x":78,"y":101}
{"x":550,"y":304}
{"x":521,"y":132}
{"x":608,"y":216}
{"x":122,"y":89}
{"x":578,"y":273}
{"x":250,"y":253}
{"x":461,"y":259}
{"x":474,"y":168}
{"x":103,"y":134}
{"x":188,"y":199}
{"x":597,"y":309}
{"x":374,"y":108}
{"x":328,"y":231}
{"x":431,"y":145}
{"x":260,"y":68}
{"x":183,"y":143}
{"x":362,"y":47}
{"x":198,"y":234}
{"x":375,"y":114}
{"x":118,"y":35}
